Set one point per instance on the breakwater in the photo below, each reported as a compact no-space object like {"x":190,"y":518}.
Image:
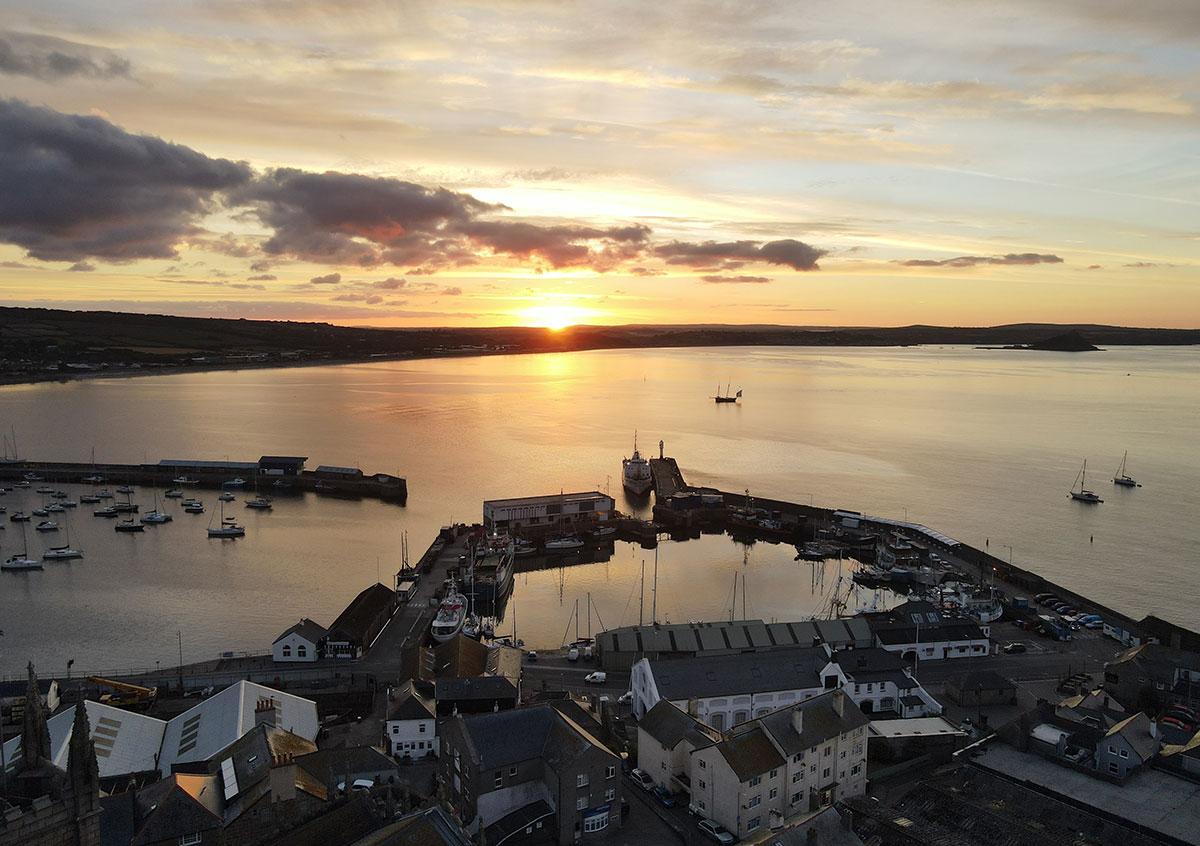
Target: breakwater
{"x":269,"y":476}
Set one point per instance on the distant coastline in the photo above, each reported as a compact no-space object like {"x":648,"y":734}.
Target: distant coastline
{"x":46,"y":345}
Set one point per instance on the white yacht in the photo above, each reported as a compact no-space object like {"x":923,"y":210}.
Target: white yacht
{"x":450,"y":616}
{"x":635,"y":472}
{"x":61,"y":553}
{"x":563,"y":543}
{"x":1083,"y":494}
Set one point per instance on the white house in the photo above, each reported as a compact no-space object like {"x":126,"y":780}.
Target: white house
{"x":301,"y":642}
{"x":918,"y":630}
{"x":791,"y":761}
{"x":411,"y":726}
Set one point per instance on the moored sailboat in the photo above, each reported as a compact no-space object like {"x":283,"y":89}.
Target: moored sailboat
{"x":1121,"y":477}
{"x":1083,"y":494}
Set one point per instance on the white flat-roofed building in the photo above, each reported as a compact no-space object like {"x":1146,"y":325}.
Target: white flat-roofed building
{"x":541,"y":513}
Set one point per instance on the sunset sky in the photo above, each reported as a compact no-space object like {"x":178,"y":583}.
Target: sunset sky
{"x":536,"y":162}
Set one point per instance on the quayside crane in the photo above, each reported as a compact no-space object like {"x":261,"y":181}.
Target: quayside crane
{"x":132,"y":696}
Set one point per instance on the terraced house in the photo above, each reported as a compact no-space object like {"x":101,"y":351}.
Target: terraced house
{"x":790,"y":761}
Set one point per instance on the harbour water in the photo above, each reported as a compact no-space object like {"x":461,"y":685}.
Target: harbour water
{"x":982,"y":445}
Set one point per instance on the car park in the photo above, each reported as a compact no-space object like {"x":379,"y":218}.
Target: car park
{"x":641,"y":779}
{"x":664,"y":798}
{"x":716,"y":832}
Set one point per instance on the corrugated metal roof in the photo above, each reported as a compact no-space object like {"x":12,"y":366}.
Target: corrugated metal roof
{"x":210,"y":465}
{"x":656,"y":640}
{"x":757,"y":634}
{"x":736,"y":635}
{"x":686,"y":640}
{"x":126,"y":742}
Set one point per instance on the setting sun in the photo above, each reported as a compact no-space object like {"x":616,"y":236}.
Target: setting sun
{"x":556,"y":316}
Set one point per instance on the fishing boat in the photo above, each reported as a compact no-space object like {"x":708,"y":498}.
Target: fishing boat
{"x":21,"y":561}
{"x":1083,"y":494}
{"x":451,"y":615}
{"x":635,"y":472}
{"x":1121,"y":477}
{"x":727,"y":397}
{"x":492,"y":574}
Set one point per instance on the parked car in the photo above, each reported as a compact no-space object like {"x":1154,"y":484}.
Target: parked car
{"x":573,"y":654}
{"x":531,"y":655}
{"x":625,"y":698}
{"x":1014,"y":648}
{"x":598,"y":677}
{"x":716,"y":831}
{"x":642,"y":780}
{"x":1174,"y":723}
{"x":664,"y":798}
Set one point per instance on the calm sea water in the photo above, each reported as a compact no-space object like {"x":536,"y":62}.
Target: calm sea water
{"x":982,"y":445}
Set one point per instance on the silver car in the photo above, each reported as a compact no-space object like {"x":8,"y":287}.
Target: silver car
{"x":715,"y":831}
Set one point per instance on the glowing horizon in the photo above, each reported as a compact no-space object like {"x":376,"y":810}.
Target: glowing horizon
{"x":475,"y":165}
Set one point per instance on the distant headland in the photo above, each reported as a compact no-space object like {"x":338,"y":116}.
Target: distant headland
{"x":46,"y":344}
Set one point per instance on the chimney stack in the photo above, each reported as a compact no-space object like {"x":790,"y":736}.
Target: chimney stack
{"x":839,"y":703}
{"x":264,"y":712}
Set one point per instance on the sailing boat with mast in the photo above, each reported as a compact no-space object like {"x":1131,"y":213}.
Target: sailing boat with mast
{"x":228,"y":528}
{"x":727,"y":397}
{"x":63,"y":552}
{"x":1121,"y":477}
{"x":1083,"y":494}
{"x":21,"y":561}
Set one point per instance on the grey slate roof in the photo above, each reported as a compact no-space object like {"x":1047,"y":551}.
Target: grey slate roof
{"x":750,"y":754}
{"x":483,"y":687}
{"x":669,"y":725}
{"x":820,"y":722}
{"x":410,"y":705}
{"x":307,"y":629}
{"x":505,"y":738}
{"x":753,"y":672}
{"x":723,"y":636}
{"x":873,"y":665}
{"x":1136,"y":731}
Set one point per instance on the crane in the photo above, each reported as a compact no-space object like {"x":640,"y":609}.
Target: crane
{"x":131,"y":696}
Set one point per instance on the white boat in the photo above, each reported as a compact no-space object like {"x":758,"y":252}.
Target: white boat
{"x":1083,"y":494}
{"x":450,"y":616}
{"x":226,"y":496}
{"x":47,"y":526}
{"x":635,"y":472}
{"x":234,"y":483}
{"x":21,"y":561}
{"x":563,"y":543}
{"x":259,"y":502}
{"x":104,"y":493}
{"x":129,"y":526}
{"x":55,"y":507}
{"x":190,"y":502}
{"x":45,"y":489}
{"x":228,"y":528}
{"x":174,"y":493}
{"x":125,"y":489}
{"x":63,"y":552}
{"x":185,"y":480}
{"x":156,"y":517}
{"x":524,"y":547}
{"x":89,"y":499}
{"x":1121,"y":477}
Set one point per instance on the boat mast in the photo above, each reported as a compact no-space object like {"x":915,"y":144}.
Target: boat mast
{"x":642,"y":595}
{"x":654,"y":591}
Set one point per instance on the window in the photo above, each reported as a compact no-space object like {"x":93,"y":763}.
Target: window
{"x":499,"y":778}
{"x":856,"y":769}
{"x":512,"y":772}
{"x":774,"y":792}
{"x":755,"y":801}
{"x":828,"y":749}
{"x":756,"y":781}
{"x":287,"y":653}
{"x":754,"y":824}
{"x":301,"y":651}
{"x":813,"y":768}
{"x":701,"y":784}
{"x":420,"y":728}
{"x":843,"y":755}
{"x":395,"y":729}
{"x":189,"y":839}
{"x":826,"y":773}
{"x":610,"y":773}
{"x":1124,"y":753}
{"x":870,"y":686}
{"x":700,"y":802}
{"x":795,"y":798}
{"x":1112,"y":750}
{"x":596,"y":822}
{"x":1114,"y":767}
{"x":798,"y":777}
{"x":610,"y":794}
{"x":774,"y":773}
{"x":857,"y":750}
{"x":798,"y":757}
{"x":581,"y":803}
{"x":581,"y":780}
{"x":703,"y":764}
